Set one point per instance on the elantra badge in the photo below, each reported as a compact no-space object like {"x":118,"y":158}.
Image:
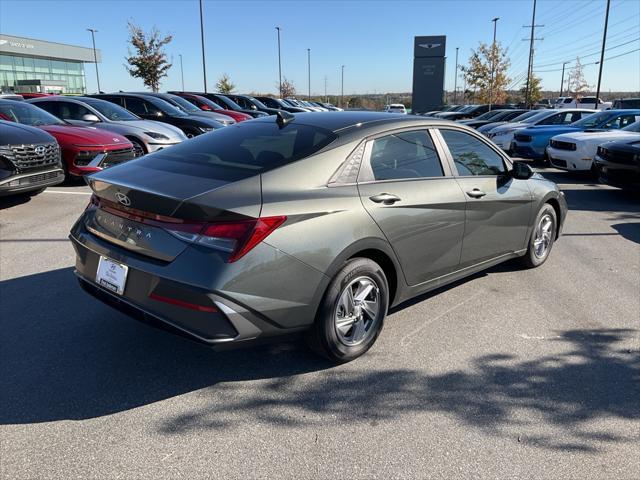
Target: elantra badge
{"x":123,"y":199}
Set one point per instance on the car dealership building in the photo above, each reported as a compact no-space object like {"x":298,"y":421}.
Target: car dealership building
{"x":29,"y":65}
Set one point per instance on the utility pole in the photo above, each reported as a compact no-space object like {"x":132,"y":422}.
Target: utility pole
{"x":204,"y":65}
{"x":279,"y":64}
{"x":95,"y":56}
{"x":530,"y":67}
{"x":562,"y":78}
{"x":309,"y":71}
{"x":493,"y":60}
{"x":181,"y":71}
{"x":455,"y":80}
{"x":604,"y":42}
{"x":342,"y":89}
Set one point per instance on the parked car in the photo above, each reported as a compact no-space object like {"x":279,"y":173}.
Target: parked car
{"x":471,"y":111}
{"x":522,"y":117}
{"x":208,"y":105}
{"x":544,"y":103}
{"x":329,"y":106}
{"x":190,"y":109}
{"x":492,"y":117}
{"x":575,"y":151}
{"x":151,"y":108}
{"x":531,"y":142}
{"x":299,"y":103}
{"x":29,"y":95}
{"x":146,"y":135}
{"x":29,"y":159}
{"x":281,"y":105}
{"x":395,"y":108}
{"x":11,"y":96}
{"x":84,"y":149}
{"x":251,"y":103}
{"x":227,"y":103}
{"x":503,"y":136}
{"x":618,"y":163}
{"x":584,"y":102}
{"x":338,"y":208}
{"x":626,"y":103}
{"x":450,"y":108}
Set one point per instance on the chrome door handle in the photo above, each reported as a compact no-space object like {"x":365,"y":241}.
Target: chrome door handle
{"x":476,"y":193}
{"x":385,"y":198}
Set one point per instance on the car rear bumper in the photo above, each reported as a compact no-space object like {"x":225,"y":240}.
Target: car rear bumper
{"x":31,"y":181}
{"x":199,"y":297}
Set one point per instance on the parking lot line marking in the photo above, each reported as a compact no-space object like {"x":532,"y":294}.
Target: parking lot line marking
{"x":67,"y":193}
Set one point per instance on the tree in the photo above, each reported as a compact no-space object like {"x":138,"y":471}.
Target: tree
{"x":288,"y":89}
{"x":478,"y":72}
{"x":577,"y":83}
{"x":150,"y":61}
{"x":535,"y":90}
{"x":225,"y":85}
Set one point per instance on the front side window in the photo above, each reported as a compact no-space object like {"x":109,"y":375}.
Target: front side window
{"x":620,"y":121}
{"x":405,"y":155}
{"x":471,"y":155}
{"x":72,"y":111}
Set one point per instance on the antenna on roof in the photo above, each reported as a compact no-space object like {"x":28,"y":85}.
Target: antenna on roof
{"x":282,"y":118}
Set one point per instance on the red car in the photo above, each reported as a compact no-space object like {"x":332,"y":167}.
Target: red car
{"x":28,"y":95}
{"x":210,"y":106}
{"x":84,"y":149}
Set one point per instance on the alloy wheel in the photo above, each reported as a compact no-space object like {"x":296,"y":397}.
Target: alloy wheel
{"x":357,"y":311}
{"x":543,"y":236}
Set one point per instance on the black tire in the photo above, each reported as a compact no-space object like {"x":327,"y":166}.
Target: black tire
{"x":138,"y":146}
{"x":323,"y":337}
{"x":533,"y":258}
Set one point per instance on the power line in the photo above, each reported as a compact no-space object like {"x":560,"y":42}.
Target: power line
{"x":591,"y":63}
{"x":591,"y":54}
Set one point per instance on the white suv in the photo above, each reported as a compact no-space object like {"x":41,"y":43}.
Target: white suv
{"x":584,"y":102}
{"x":395,"y":108}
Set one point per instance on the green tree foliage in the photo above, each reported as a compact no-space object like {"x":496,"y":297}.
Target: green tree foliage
{"x":535,"y":90}
{"x":149,"y":62}
{"x":484,"y":60}
{"x":224,"y":84}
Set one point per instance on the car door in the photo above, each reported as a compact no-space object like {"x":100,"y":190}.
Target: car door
{"x":410,"y":193}
{"x":498,"y":207}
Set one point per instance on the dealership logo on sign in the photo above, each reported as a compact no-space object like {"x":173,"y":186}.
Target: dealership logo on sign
{"x":430,"y":45}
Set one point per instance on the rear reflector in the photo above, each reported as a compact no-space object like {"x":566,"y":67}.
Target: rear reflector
{"x":183,"y":304}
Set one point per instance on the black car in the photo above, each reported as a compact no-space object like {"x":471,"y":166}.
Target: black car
{"x":281,"y":105}
{"x":472,"y":111}
{"x":29,"y":159}
{"x":503,"y":115}
{"x":250,"y":103}
{"x":626,"y":103}
{"x":227,"y":103}
{"x":151,"y":108}
{"x":618,"y":163}
{"x":190,"y":109}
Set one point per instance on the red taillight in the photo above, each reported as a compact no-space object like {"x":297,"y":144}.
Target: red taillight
{"x":236,"y":238}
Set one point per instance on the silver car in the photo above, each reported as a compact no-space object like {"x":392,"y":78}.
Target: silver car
{"x":314,"y":223}
{"x":146,"y":135}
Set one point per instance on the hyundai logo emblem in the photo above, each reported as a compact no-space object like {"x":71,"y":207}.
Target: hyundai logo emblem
{"x":39,"y":150}
{"x":123,"y":199}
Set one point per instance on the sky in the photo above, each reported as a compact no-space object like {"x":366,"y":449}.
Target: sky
{"x":373,"y":39}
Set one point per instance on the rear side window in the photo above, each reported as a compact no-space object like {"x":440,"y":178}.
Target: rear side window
{"x":72,"y":111}
{"x":240,"y":151}
{"x":471,"y":155}
{"x":136,"y":106}
{"x":405,"y":155}
{"x":620,"y":121}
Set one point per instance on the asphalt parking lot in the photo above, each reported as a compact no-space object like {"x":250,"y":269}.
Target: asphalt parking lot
{"x":509,"y":374}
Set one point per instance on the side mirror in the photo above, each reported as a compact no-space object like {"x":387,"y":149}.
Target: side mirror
{"x":521,"y":171}
{"x":90,"y":117}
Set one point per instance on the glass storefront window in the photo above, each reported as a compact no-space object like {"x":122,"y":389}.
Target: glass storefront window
{"x":42,"y":65}
{"x":13,"y":68}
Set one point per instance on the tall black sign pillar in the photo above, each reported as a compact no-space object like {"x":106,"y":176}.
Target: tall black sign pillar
{"x":428,"y":73}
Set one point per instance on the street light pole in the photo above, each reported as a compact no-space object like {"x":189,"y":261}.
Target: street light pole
{"x":309,"y":69}
{"x":95,"y":56}
{"x":342,"y":89}
{"x":455,"y":80}
{"x":562,"y":78}
{"x":181,"y":71}
{"x":204,"y":65}
{"x":493,"y":60}
{"x":279,"y":64}
{"x":604,"y":42}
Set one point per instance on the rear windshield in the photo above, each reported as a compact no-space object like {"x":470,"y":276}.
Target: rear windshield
{"x":240,"y":151}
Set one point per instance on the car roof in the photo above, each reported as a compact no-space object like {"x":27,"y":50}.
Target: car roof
{"x":343,"y":122}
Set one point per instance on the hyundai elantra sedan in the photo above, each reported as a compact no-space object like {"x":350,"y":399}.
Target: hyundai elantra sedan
{"x":315,"y":223}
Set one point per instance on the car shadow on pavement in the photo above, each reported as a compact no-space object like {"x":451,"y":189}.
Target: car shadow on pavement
{"x":630,"y":231}
{"x":65,"y":355}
